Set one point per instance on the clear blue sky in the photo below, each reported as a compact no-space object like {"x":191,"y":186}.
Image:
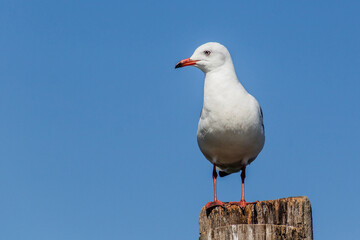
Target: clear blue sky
{"x":98,"y":130}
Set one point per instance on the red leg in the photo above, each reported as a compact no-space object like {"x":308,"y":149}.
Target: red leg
{"x":215,"y":202}
{"x":242,"y":202}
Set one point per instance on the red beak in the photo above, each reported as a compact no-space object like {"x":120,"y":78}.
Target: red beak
{"x":186,"y":62}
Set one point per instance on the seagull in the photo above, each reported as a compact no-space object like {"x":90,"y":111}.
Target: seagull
{"x":231,"y":130}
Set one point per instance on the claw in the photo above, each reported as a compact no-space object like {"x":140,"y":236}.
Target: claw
{"x":242,"y":204}
{"x":214,"y":204}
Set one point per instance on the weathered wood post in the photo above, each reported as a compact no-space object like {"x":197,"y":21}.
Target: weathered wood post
{"x":286,"y":218}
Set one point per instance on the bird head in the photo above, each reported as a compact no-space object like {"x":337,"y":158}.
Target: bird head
{"x":208,"y":57}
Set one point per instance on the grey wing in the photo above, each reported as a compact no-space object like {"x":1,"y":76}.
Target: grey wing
{"x":262,"y":118}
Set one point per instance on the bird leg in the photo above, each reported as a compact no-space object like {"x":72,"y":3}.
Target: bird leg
{"x":215,"y":202}
{"x":242,"y":202}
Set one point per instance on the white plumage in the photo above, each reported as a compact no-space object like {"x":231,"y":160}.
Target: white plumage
{"x":230,"y":131}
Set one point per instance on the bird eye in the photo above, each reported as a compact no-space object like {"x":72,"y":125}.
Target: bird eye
{"x":207,"y":52}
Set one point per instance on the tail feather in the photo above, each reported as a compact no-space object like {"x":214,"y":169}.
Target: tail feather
{"x":223,"y":174}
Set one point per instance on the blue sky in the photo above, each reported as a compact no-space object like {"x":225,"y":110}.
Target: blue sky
{"x":98,"y":130}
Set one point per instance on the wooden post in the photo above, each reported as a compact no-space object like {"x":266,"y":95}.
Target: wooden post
{"x":286,"y":218}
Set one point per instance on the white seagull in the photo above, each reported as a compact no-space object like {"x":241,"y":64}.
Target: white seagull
{"x":231,"y":130}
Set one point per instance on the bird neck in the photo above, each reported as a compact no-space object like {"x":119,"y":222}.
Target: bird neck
{"x":222,"y":80}
{"x":222,"y":88}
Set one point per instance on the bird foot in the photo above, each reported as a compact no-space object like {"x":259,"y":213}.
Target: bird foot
{"x":242,"y":203}
{"x":214,"y":204}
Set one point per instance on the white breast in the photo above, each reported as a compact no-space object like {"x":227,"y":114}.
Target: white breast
{"x":230,"y":132}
